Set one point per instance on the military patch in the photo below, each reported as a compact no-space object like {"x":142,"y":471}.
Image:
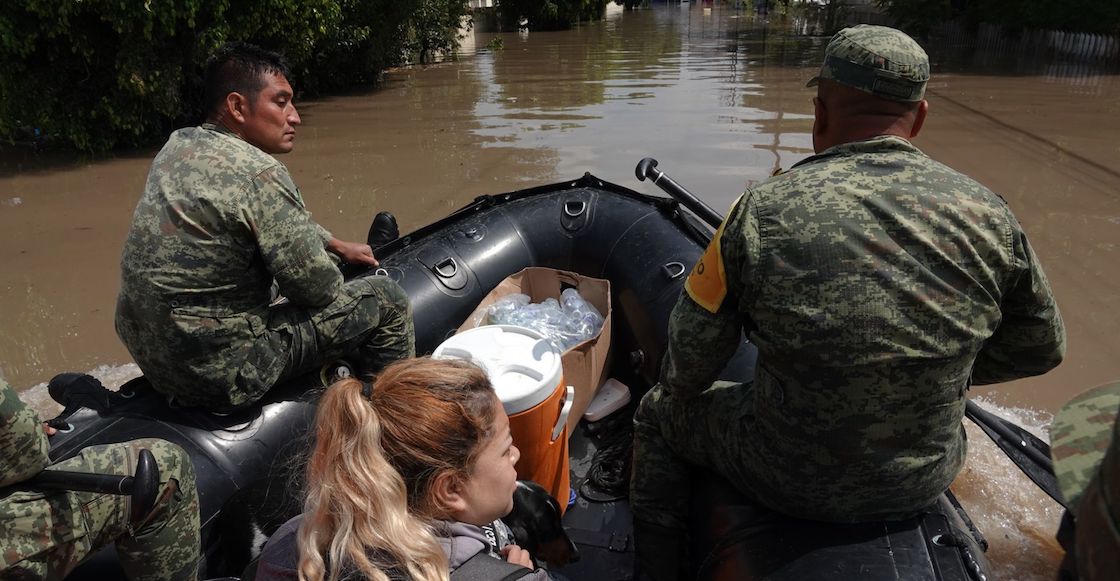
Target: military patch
{"x":707,"y":283}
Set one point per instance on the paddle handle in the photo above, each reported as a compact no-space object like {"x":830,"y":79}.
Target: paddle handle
{"x":647,"y":168}
{"x":143,"y":486}
{"x":82,"y":482}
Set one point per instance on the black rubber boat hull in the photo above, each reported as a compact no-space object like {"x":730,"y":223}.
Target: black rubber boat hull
{"x":644,"y":245}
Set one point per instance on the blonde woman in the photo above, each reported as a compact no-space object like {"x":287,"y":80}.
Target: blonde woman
{"x":407,"y":480}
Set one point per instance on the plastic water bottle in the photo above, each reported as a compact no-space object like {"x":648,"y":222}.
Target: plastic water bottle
{"x":563,"y":323}
{"x":504,"y":308}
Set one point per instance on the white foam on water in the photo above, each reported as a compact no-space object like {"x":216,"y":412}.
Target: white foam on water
{"x":111,"y":376}
{"x":1017,"y":518}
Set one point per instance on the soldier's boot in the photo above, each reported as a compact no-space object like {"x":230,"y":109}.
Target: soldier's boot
{"x":659,"y":552}
{"x":382,"y":230}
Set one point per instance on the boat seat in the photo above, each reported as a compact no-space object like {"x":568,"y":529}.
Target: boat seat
{"x":736,"y":538}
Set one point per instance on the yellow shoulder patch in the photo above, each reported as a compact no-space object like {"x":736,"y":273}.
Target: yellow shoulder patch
{"x":707,"y":283}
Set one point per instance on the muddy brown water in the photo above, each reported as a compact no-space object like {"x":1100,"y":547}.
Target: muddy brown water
{"x":717,"y":95}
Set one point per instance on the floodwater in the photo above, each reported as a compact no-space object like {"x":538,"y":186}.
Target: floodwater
{"x":717,"y":96}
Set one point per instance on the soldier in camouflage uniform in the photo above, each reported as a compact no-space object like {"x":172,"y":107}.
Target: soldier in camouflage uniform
{"x":219,"y":220}
{"x":877,"y":285}
{"x":1085,"y":438}
{"x":44,"y":534}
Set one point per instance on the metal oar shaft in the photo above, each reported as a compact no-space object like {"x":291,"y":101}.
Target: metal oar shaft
{"x":647,"y":168}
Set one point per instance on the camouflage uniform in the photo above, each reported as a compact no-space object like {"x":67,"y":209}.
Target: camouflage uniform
{"x":1086,"y":450}
{"x":46,"y":533}
{"x":876,"y":284}
{"x":218,"y":222}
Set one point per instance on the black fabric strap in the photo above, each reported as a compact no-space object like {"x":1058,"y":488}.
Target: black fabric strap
{"x":612,"y":541}
{"x":483,"y":567}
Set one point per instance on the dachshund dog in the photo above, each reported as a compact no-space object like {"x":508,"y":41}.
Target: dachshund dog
{"x":535,"y":524}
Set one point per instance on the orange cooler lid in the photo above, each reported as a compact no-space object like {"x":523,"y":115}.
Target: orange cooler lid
{"x":524,"y":368}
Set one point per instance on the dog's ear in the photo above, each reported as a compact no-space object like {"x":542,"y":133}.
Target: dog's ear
{"x":521,"y":520}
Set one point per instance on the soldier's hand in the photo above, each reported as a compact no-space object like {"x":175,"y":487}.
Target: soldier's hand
{"x":353,"y":252}
{"x":48,"y":430}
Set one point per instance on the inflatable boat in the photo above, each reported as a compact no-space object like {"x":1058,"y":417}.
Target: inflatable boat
{"x":644,"y":245}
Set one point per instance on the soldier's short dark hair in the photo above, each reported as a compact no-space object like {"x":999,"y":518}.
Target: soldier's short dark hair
{"x":238,"y":67}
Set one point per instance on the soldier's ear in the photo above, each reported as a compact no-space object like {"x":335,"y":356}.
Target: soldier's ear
{"x":919,"y":118}
{"x":820,"y":115}
{"x":236,"y":107}
{"x":820,"y":123}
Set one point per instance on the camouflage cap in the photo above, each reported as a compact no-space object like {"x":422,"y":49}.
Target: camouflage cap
{"x":1081,"y":434}
{"x":879,"y":60}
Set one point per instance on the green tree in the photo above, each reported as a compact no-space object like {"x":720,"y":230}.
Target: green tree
{"x":99,"y":74}
{"x":433,"y":27}
{"x":93,"y":73}
{"x":549,"y":14}
{"x":1094,"y":16}
{"x":916,"y":16}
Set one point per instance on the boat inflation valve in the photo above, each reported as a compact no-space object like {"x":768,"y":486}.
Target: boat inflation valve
{"x":335,"y":371}
{"x":637,"y":358}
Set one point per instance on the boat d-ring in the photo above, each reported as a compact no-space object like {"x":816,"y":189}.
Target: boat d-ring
{"x":60,"y":426}
{"x":575,"y":208}
{"x":673,"y":270}
{"x":380,"y":272}
{"x":447,"y":268}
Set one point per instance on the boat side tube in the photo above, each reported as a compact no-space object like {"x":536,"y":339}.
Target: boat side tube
{"x":644,"y":245}
{"x":734,"y":538}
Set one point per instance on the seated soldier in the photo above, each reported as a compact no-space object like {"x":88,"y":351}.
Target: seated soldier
{"x":219,"y":221}
{"x":877,"y":285}
{"x":47,"y":533}
{"x":1086,"y":451}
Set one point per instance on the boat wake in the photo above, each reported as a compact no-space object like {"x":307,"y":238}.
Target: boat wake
{"x":1017,"y":518}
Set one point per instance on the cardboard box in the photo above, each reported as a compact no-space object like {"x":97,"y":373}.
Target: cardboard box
{"x":585,"y":364}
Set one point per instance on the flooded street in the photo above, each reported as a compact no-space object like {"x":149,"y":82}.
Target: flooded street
{"x":715,"y":94}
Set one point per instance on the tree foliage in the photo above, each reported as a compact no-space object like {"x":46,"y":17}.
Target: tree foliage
{"x":1094,"y":16}
{"x":549,"y":14}
{"x":99,"y":74}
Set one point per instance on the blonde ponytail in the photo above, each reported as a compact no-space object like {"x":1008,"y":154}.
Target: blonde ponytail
{"x":356,"y":514}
